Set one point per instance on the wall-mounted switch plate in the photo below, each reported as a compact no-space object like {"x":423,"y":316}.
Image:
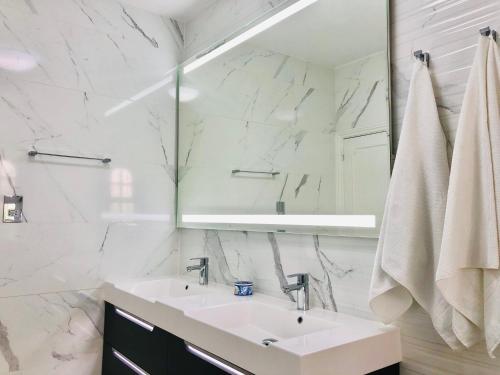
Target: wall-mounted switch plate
{"x":13,"y":209}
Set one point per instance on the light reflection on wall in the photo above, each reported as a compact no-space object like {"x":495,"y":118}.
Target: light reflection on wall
{"x":7,"y":176}
{"x":121,"y":190}
{"x":16,"y":61}
{"x":140,"y":95}
{"x":186,"y":94}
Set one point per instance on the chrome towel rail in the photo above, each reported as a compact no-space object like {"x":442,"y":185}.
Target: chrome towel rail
{"x":35,"y":153}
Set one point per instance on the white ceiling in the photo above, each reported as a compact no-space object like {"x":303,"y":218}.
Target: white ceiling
{"x":178,"y":9}
{"x":330,"y":32}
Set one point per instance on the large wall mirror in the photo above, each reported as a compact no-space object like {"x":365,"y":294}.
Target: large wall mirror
{"x":285,"y":126}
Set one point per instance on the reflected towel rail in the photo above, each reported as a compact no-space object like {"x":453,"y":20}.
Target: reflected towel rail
{"x":256,"y":172}
{"x":35,"y":153}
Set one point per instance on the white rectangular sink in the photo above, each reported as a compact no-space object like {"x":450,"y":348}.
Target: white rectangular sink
{"x":155,"y":289}
{"x":256,"y":321}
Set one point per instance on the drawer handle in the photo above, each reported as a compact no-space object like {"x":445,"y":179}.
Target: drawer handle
{"x":135,"y":320}
{"x":223,"y":365}
{"x":127,"y":362}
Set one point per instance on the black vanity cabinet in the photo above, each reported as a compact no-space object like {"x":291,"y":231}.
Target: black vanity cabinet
{"x":127,"y":337}
{"x":133,"y":346}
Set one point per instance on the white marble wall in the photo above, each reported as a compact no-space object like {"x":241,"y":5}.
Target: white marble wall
{"x":64,"y":66}
{"x":341,"y":267}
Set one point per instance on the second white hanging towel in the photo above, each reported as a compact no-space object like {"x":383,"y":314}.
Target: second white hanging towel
{"x":411,"y":232}
{"x":468,"y":274}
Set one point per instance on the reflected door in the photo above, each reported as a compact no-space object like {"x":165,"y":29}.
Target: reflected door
{"x":366,"y":174}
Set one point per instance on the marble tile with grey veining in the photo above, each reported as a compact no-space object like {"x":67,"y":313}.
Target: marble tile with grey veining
{"x":69,"y":42}
{"x":41,"y":258}
{"x":278,"y":266}
{"x":361,"y":97}
{"x":6,"y":350}
{"x":214,"y":249}
{"x":266,"y":258}
{"x":65,"y":331}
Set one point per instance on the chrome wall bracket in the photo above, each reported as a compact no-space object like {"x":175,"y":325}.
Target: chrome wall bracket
{"x":487,"y":31}
{"x":422,"y":56}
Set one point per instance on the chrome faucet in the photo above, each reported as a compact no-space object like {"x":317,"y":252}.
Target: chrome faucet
{"x":202,"y":267}
{"x":302,"y":288}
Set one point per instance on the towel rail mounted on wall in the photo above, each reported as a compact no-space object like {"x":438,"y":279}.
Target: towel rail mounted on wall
{"x":35,"y":153}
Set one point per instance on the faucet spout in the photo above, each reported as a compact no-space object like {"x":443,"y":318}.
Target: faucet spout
{"x":292,"y":287}
{"x":202,"y":267}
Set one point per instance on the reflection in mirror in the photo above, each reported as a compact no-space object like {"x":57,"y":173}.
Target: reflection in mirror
{"x":289,"y":119}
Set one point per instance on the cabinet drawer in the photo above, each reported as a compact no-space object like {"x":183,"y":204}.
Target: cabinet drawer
{"x":115,"y":363}
{"x":189,"y":359}
{"x":142,"y":343}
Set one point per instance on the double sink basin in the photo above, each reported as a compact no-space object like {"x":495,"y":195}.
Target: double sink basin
{"x":261,"y":334}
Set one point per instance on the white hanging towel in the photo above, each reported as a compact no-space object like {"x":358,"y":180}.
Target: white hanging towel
{"x":468,"y":272}
{"x":411,"y":231}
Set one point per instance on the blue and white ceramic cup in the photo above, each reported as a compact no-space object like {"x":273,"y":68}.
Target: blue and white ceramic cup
{"x":243,"y":288}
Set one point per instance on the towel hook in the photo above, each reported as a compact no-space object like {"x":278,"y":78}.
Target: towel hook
{"x":486,"y":31}
{"x":422,"y":56}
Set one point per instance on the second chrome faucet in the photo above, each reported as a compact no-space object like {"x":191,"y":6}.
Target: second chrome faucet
{"x":202,"y":267}
{"x":302,"y":288}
